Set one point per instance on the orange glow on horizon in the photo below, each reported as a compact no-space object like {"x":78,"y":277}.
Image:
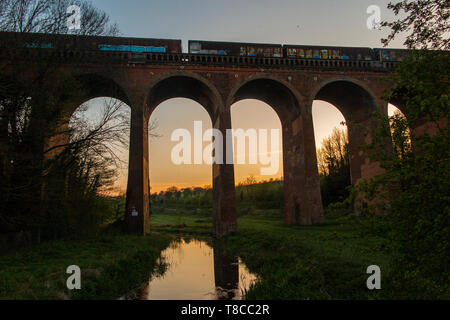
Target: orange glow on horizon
{"x":181,"y":113}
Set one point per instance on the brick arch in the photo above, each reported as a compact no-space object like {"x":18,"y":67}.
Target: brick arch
{"x":95,"y":86}
{"x":350,"y":96}
{"x":345,"y":79}
{"x":277,"y":93}
{"x":191,"y":85}
{"x":358,"y":105}
{"x":187,"y":85}
{"x":399,"y":104}
{"x":301,"y":190}
{"x":90,"y":86}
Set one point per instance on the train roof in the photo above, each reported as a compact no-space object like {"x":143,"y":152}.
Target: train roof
{"x":393,"y":49}
{"x":47,"y":37}
{"x":342,"y":47}
{"x":323,"y":46}
{"x":292,"y":45}
{"x":149,"y":41}
{"x":236,"y":43}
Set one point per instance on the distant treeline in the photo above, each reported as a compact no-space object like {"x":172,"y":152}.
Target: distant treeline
{"x":334,"y":171}
{"x":260,"y":195}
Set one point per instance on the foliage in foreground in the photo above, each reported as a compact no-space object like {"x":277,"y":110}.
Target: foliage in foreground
{"x":417,"y":180}
{"x":414,"y":190}
{"x":38,"y":189}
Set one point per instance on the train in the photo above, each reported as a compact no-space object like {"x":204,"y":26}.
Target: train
{"x":295,"y":51}
{"x":328,"y":52}
{"x":140,"y":46}
{"x":236,"y":49}
{"x":92,"y":43}
{"x":134,"y":45}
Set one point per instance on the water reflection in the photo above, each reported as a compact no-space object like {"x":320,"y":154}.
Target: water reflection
{"x":198,"y":272}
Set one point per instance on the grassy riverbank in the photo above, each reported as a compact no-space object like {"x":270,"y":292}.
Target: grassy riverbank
{"x":111,"y":266}
{"x":326,"y":261}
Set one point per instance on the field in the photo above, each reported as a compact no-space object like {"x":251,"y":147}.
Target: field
{"x":326,"y":261}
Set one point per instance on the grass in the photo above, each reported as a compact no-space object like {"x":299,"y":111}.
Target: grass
{"x":183,"y":223}
{"x":326,"y":261}
{"x":111,"y":266}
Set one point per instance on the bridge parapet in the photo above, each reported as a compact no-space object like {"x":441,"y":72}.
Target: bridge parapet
{"x":65,"y":56}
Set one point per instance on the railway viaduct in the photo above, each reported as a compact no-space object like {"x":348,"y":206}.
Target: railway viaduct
{"x":289,"y":86}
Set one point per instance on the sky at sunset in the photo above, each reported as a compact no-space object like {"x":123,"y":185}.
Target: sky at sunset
{"x":321,"y":22}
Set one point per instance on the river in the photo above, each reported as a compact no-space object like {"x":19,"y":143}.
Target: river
{"x":196,"y":271}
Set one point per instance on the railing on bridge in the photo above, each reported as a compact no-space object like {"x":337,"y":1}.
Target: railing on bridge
{"x":206,"y":60}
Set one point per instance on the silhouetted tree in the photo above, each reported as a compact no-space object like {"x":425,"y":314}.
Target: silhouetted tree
{"x":31,"y":100}
{"x":416,"y":181}
{"x":426,"y":23}
{"x":334,"y":167}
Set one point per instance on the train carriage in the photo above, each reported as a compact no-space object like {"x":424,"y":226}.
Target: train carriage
{"x":328,"y":52}
{"x":385,"y":54}
{"x":236,"y":49}
{"x":137,"y":45}
{"x":93,"y":43}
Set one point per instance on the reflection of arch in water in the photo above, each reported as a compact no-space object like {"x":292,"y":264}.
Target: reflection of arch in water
{"x":226,"y":274}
